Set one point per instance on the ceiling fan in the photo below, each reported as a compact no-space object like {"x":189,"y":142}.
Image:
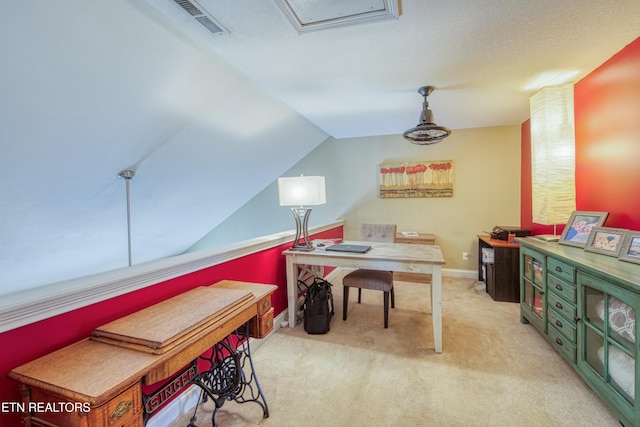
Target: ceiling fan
{"x":426,"y":132}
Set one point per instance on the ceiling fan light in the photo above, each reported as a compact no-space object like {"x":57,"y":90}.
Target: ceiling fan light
{"x":427,"y":132}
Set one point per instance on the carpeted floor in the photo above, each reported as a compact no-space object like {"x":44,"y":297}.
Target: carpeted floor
{"x":494,"y":371}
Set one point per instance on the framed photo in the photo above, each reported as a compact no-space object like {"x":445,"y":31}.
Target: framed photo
{"x":606,"y":241}
{"x":578,"y":229}
{"x":631,"y":248}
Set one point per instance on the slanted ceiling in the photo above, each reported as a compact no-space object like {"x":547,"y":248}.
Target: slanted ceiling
{"x":90,"y":88}
{"x":98,"y":87}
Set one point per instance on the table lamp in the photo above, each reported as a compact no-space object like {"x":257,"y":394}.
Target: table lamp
{"x":301,"y":191}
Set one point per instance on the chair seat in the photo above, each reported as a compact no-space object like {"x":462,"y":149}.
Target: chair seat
{"x":369,"y":279}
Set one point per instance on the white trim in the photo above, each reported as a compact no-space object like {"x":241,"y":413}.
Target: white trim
{"x":183,"y":404}
{"x":460,"y":274}
{"x":25,"y":307}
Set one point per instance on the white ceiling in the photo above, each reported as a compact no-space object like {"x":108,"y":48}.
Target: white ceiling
{"x":363,"y":80}
{"x":89,"y":88}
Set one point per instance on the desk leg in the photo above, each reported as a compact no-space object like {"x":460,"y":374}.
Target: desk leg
{"x":436,"y":307}
{"x":292,"y":290}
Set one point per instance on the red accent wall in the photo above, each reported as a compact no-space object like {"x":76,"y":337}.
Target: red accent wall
{"x":607,"y":117}
{"x":607,"y":108}
{"x":31,"y":341}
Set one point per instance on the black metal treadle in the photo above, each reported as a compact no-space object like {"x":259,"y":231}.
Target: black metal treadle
{"x":226,"y":378}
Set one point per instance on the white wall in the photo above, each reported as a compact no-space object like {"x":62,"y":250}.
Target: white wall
{"x":486,"y":191}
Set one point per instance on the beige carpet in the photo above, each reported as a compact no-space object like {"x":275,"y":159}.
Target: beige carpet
{"x":493,"y":371}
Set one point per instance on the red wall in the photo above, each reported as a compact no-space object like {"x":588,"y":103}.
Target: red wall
{"x":31,"y":341}
{"x":607,"y":117}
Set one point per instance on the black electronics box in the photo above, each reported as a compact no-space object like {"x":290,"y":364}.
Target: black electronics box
{"x":501,"y":232}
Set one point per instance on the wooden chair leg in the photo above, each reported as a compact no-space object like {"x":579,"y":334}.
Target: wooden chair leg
{"x":345,"y":302}
{"x":393,"y":299}
{"x":386,"y":310}
{"x":359,"y":295}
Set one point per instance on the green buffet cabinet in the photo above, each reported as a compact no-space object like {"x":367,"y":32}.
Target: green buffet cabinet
{"x":587,"y":306}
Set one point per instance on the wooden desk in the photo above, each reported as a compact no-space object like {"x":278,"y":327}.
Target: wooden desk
{"x":402,"y":257}
{"x":105,"y":379}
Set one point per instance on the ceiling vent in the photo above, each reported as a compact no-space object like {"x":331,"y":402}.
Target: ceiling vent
{"x":201,"y":15}
{"x":313,"y":15}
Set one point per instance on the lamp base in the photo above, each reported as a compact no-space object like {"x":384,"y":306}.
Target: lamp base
{"x":301,"y":216}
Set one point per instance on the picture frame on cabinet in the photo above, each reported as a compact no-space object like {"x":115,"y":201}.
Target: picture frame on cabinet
{"x":606,"y":241}
{"x":577,"y":231}
{"x":630,"y":250}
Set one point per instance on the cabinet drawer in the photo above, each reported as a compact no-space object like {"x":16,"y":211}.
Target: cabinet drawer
{"x":560,"y":305}
{"x":123,"y":409}
{"x":562,"y":288}
{"x":261,"y":325}
{"x":264,"y":305}
{"x":562,"y":325}
{"x":562,"y":270}
{"x":564,"y":346}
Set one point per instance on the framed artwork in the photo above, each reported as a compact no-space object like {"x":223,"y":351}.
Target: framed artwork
{"x":606,"y":241}
{"x":630,"y":250}
{"x":426,"y":178}
{"x":578,"y":229}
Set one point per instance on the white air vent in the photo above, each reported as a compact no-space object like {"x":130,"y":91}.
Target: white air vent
{"x":201,"y":15}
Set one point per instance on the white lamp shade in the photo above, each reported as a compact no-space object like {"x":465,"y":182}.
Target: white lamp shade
{"x":301,"y":191}
{"x":553,"y":155}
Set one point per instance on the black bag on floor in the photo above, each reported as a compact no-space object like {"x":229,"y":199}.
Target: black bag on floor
{"x":318,"y":307}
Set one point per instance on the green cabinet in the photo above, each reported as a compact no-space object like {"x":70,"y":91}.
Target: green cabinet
{"x":587,"y":306}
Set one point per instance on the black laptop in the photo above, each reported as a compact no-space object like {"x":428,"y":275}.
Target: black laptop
{"x":345,"y":247}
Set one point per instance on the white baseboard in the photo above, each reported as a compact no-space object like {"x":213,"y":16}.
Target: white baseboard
{"x":460,"y":274}
{"x":178,"y":407}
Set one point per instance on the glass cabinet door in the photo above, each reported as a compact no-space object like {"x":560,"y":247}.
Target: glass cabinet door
{"x":532,"y":293}
{"x":608,"y":329}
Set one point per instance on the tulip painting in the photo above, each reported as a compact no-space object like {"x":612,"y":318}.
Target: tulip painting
{"x":417,"y":179}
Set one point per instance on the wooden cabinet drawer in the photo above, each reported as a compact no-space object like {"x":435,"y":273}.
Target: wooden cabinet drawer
{"x":561,"y":306}
{"x":261,"y":325}
{"x":562,"y":288}
{"x":264,"y":305}
{"x":123,"y":409}
{"x":562,"y":325}
{"x":562,"y":270}
{"x":562,"y":344}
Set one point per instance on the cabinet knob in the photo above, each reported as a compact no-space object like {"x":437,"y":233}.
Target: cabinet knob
{"x":559,"y":287}
{"x":559,"y":305}
{"x":558,"y":324}
{"x":559,"y":269}
{"x":576,"y":319}
{"x":559,"y":341}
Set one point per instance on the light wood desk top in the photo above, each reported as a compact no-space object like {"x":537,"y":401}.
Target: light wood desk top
{"x":403,"y":256}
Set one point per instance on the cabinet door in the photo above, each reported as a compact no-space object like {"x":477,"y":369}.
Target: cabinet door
{"x":533,"y":287}
{"x":607,"y":335}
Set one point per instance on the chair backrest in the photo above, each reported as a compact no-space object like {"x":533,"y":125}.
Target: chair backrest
{"x":378,"y":232}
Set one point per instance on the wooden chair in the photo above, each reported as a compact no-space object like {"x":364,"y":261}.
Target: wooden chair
{"x":372,"y":279}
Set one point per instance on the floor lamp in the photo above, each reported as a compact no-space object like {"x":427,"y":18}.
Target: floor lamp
{"x":553,"y":156}
{"x":301,"y":191}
